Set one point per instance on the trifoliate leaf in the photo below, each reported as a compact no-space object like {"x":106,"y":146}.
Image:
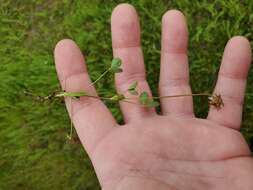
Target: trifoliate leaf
{"x":132,"y":88}
{"x":115,"y":65}
{"x":145,"y":101}
{"x":133,"y":92}
{"x":143,"y":98}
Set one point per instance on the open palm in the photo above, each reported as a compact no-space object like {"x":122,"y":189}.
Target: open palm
{"x":172,"y":151}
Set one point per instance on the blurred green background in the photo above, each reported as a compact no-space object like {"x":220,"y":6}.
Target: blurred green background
{"x":34,"y":151}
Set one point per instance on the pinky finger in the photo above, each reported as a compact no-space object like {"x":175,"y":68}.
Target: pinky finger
{"x":232,"y":82}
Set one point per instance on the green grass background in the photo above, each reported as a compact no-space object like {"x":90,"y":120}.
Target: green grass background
{"x":34,"y":151}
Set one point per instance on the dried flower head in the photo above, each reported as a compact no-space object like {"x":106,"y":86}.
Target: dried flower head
{"x":216,"y":101}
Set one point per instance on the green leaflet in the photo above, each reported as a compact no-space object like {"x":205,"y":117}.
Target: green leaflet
{"x":115,"y":65}
{"x":115,"y":68}
{"x":143,"y":98}
{"x":71,"y":94}
{"x":132,"y":88}
{"x":146,"y":101}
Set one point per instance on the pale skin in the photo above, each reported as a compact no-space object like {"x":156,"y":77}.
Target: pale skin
{"x":173,"y":150}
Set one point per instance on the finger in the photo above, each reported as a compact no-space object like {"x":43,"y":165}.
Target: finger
{"x":174,"y":73}
{"x":232,"y":82}
{"x":126,"y":45}
{"x":90,"y":116}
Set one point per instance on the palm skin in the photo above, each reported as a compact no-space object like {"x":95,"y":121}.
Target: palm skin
{"x":172,"y":151}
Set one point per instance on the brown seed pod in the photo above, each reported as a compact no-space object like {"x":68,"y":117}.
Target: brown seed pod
{"x":216,"y":101}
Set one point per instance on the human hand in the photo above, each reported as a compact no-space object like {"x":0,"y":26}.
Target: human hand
{"x":172,"y":151}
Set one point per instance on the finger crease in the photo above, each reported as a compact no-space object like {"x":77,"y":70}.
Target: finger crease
{"x":232,"y":76}
{"x":175,"y":52}
{"x":126,"y":47}
{"x":183,"y":81}
{"x":85,"y":104}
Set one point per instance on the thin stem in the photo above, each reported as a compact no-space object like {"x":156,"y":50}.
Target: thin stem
{"x":71,"y":115}
{"x":93,"y":96}
{"x":129,"y":102}
{"x":182,"y":95}
{"x":97,"y":97}
{"x":175,"y":96}
{"x":107,"y":98}
{"x":71,"y":130}
{"x":103,"y":74}
{"x":156,"y":97}
{"x":133,"y":103}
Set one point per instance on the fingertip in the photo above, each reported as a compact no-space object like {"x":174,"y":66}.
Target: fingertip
{"x":123,"y":8}
{"x":68,"y":58}
{"x":237,"y":54}
{"x":125,"y":11}
{"x":240,"y":39}
{"x":242,"y":45}
{"x":174,"y":32}
{"x":125,"y":26}
{"x":173,"y":13}
{"x":64,"y":43}
{"x":124,"y":16}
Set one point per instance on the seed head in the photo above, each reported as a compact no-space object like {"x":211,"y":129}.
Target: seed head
{"x":216,"y":101}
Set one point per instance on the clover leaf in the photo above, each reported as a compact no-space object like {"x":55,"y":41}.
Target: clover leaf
{"x":146,"y":101}
{"x":115,"y":65}
{"x":132,"y":88}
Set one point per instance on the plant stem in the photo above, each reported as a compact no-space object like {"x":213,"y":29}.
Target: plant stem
{"x":98,"y":97}
{"x":155,"y":97}
{"x":71,"y":123}
{"x":129,"y":102}
{"x":103,"y":74}
{"x":182,"y":95}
